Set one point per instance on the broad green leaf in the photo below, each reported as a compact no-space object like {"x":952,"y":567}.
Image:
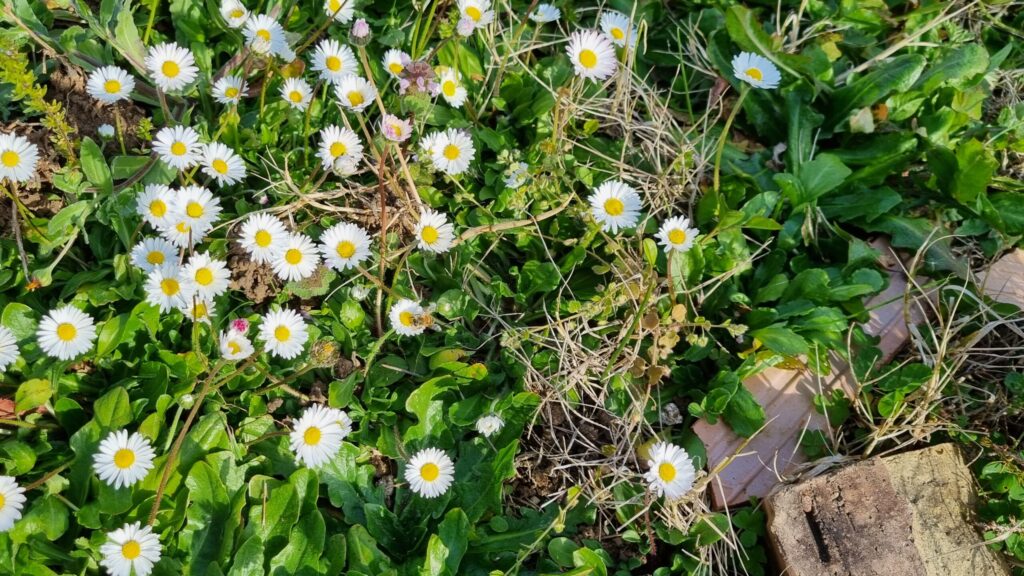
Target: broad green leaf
{"x":895,"y":75}
{"x":20,"y":319}
{"x":446,"y":548}
{"x":1010,"y":206}
{"x":32,"y":393}
{"x":781,"y":340}
{"x":822,"y":175}
{"x":95,"y":167}
{"x":248,"y":559}
{"x":113,"y":410}
{"x":914,"y":233}
{"x":955,"y":67}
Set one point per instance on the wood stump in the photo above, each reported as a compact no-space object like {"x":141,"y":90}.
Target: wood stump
{"x":904,"y":515}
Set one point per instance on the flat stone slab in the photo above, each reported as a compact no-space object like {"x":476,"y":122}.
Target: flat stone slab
{"x":904,"y":515}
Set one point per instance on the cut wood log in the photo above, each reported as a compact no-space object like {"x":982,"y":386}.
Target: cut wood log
{"x":907,"y":515}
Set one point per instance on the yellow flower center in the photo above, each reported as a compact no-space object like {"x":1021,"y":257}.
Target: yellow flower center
{"x":618,"y":34}
{"x":333,"y":63}
{"x":474,"y":13}
{"x":10,"y":158}
{"x":282,"y":333}
{"x":451,"y":151}
{"x":335,"y":5}
{"x":346,"y":249}
{"x":66,"y":331}
{"x":429,"y":234}
{"x":194,"y":210}
{"x":155,"y":257}
{"x":112,"y":86}
{"x":755,"y":73}
{"x":2,"y":501}
{"x":614,"y":206}
{"x":295,"y":96}
{"x":131,"y":550}
{"x":183,"y":227}
{"x":199,"y":311}
{"x":234,"y":347}
{"x":170,"y":69}
{"x":677,"y":236}
{"x":396,"y":68}
{"x":220,"y":166}
{"x":666,"y":471}
{"x":407,"y":318}
{"x":169,"y":286}
{"x":449,"y":88}
{"x":231,"y":92}
{"x":337,"y":149}
{"x":312,"y":436}
{"x":124,"y":458}
{"x":204,"y":276}
{"x":430,"y":472}
{"x":588,"y":58}
{"x":355,"y":98}
{"x":178,"y":148}
{"x":293,"y":256}
{"x":237,"y":13}
{"x":263,"y":35}
{"x":158,"y":208}
{"x":263,"y":238}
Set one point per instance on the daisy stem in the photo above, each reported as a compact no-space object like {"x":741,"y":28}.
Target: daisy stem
{"x":153,"y":5}
{"x":47,"y":477}
{"x":724,"y":137}
{"x":282,"y":383}
{"x":119,"y":129}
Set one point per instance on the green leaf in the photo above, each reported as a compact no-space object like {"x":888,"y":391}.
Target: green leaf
{"x":31,"y":394}
{"x":537,"y":278}
{"x":561,"y":550}
{"x":954,"y":67}
{"x":1010,"y":206}
{"x":782,"y":340}
{"x":895,"y":75}
{"x":113,"y":410}
{"x":912,"y":233}
{"x":95,"y":167}
{"x":248,"y":559}
{"x":822,"y":175}
{"x":446,"y":548}
{"x":746,"y":31}
{"x":20,"y":319}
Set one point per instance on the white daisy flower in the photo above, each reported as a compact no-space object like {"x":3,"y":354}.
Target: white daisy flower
{"x":297,"y":93}
{"x":198,"y":207}
{"x":284,"y":333}
{"x":110,"y":84}
{"x":338,"y":142}
{"x":333,"y":60}
{"x":318,"y":434}
{"x":18,"y":158}
{"x":123,"y":460}
{"x":66,"y":333}
{"x":430,"y":472}
{"x":154,"y":204}
{"x":395,"y":61}
{"x":489,"y":425}
{"x":408,"y":318}
{"x":341,"y":10}
{"x":429,"y":143}
{"x":204,"y":277}
{"x":198,"y":310}
{"x":297,"y":258}
{"x":150,"y":253}
{"x":131,"y":550}
{"x":230,"y":89}
{"x":354,"y":93}
{"x":178,"y":146}
{"x":676,"y":234}
{"x":164,"y":287}
{"x":8,"y":354}
{"x":179,"y":230}
{"x":545,"y":13}
{"x":671,"y":472}
{"x":171,"y":66}
{"x":234,"y":346}
{"x":592,"y":55}
{"x":452,"y":89}
{"x":234,"y":13}
{"x":344,"y":246}
{"x":266,"y":36}
{"x":479,"y":11}
{"x":618,"y":28}
{"x":615,"y":206}
{"x":394,"y":128}
{"x":517,"y":175}
{"x":262,"y":236}
{"x":222,"y":164}
{"x":453,"y":152}
{"x":12,"y":500}
{"x":756,"y":70}
{"x":433,"y":232}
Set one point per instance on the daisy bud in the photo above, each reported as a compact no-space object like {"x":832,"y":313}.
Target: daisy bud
{"x":324,"y":354}
{"x":105,"y":131}
{"x":187,"y":401}
{"x":240,"y":325}
{"x":360,"y":34}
